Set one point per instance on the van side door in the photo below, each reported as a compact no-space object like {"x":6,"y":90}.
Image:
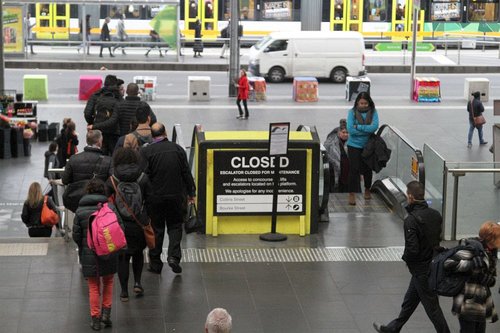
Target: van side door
{"x":276,"y":54}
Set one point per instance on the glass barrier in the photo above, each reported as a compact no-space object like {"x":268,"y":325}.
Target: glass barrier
{"x":406,"y":162}
{"x":434,"y":178}
{"x":478,"y":197}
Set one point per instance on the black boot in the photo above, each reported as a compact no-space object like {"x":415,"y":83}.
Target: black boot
{"x":95,"y":324}
{"x":106,"y":317}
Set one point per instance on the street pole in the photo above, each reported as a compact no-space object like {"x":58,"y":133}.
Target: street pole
{"x":414,"y":48}
{"x":2,"y":64}
{"x":234,"y":48}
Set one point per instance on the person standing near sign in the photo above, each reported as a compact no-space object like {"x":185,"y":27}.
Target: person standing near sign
{"x":28,"y":32}
{"x":362,"y":121}
{"x":243,"y":88}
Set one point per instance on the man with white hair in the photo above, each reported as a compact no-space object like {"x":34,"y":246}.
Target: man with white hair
{"x":218,"y":321}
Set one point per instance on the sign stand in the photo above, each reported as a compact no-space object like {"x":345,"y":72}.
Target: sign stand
{"x":278,"y":146}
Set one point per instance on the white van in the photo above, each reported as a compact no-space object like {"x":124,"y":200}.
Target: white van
{"x":331,"y":54}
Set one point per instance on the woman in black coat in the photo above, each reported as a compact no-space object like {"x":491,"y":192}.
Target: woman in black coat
{"x":93,"y":267}
{"x":126,"y":168}
{"x":32,"y":212}
{"x":198,"y":44}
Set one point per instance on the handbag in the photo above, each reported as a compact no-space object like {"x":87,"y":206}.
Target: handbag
{"x":149,"y":233}
{"x":193,"y":223}
{"x":479,"y":120}
{"x":75,"y":191}
{"x":48,"y":216}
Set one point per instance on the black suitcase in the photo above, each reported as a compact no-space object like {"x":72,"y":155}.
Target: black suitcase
{"x":16,"y":142}
{"x":5,"y":142}
{"x":53,"y":131}
{"x":43,"y":131}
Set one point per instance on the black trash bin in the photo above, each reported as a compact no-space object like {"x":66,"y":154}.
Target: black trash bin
{"x":53,"y":131}
{"x":16,"y":142}
{"x":27,"y":147}
{"x":5,"y":142}
{"x":43,"y":131}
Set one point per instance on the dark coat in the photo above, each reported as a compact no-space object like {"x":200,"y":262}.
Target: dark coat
{"x":88,"y":259}
{"x":105,"y":36}
{"x":475,"y":105}
{"x":133,"y":232}
{"x":63,"y":140}
{"x":81,"y":166}
{"x":422,"y":228}
{"x":31,"y":217}
{"x":126,"y":112}
{"x":168,"y":170}
{"x":112,"y":97}
{"x":376,"y":154}
{"x":50,"y":158}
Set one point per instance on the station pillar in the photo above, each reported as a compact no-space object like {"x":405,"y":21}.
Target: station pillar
{"x":311,"y":14}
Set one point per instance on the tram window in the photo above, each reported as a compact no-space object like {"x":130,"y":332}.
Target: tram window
{"x":355,"y":10}
{"x":130,"y":11}
{"x":61,"y":23}
{"x":446,"y":10}
{"x":377,"y":10}
{"x":482,"y":11}
{"x":278,"y":45}
{"x":44,"y":10}
{"x":338,"y":12}
{"x":61,"y":10}
{"x":247,"y":9}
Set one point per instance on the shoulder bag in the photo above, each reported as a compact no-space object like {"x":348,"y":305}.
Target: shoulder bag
{"x":193,"y":223}
{"x":479,"y":120}
{"x":149,"y":233}
{"x":48,"y":217}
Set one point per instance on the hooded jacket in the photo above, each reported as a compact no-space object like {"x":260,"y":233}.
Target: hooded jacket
{"x":92,"y":265}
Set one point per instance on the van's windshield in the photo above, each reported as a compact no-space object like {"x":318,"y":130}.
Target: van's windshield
{"x":262,"y":42}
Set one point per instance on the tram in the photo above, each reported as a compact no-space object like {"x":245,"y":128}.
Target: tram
{"x":379,"y":18}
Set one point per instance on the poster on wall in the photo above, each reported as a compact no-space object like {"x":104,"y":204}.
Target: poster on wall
{"x":278,"y":10}
{"x":447,"y":11}
{"x":13,"y":41}
{"x":244,"y":180}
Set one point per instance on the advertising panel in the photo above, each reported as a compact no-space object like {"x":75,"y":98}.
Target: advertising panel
{"x":278,"y":10}
{"x":13,"y":41}
{"x":243,"y":182}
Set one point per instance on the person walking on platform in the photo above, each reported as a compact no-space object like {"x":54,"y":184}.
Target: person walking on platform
{"x":28,"y":28}
{"x":198,"y":44}
{"x":106,"y":37}
{"x":121,"y":34}
{"x":87,"y":34}
{"x":225,"y":34}
{"x":32,"y":212}
{"x":243,"y":89}
{"x":422,"y":228}
{"x":155,"y":43}
{"x":171,"y":181}
{"x":474,"y":304}
{"x":98,"y":272}
{"x":126,"y":170}
{"x":362,"y":122}
{"x":475,"y":108}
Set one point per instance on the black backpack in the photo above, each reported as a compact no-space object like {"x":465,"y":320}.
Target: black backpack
{"x":131,"y":193}
{"x":142,"y":140}
{"x":224,"y":33}
{"x":450,"y":283}
{"x":104,"y":107}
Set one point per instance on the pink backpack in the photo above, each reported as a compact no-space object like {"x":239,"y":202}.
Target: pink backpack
{"x":104,"y":234}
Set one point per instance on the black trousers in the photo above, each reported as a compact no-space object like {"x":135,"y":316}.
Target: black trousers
{"x":124,"y":268}
{"x":109,"y":143}
{"x":169,"y":212}
{"x":358,"y":167}
{"x":40,"y":232}
{"x":239,"y":107}
{"x":418,"y":291}
{"x":472,"y":326}
{"x":108,"y":47}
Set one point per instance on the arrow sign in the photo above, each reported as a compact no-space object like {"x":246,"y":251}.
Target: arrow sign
{"x":388,"y":47}
{"x":422,"y":47}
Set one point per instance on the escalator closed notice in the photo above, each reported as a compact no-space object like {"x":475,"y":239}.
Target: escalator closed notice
{"x":244,"y":182}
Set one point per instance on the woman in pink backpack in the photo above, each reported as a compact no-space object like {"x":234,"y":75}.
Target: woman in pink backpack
{"x":96,"y":270}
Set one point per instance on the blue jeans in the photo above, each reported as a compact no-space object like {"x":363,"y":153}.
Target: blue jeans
{"x":471,"y":132}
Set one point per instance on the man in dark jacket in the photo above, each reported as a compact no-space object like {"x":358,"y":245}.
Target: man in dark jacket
{"x":171,"y":179}
{"x":475,"y":108}
{"x":91,"y":161}
{"x":127,"y":108}
{"x":100,"y":113}
{"x":422,"y":230}
{"x":106,"y":37}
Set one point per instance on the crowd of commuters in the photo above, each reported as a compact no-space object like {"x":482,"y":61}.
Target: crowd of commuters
{"x":158,"y":168}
